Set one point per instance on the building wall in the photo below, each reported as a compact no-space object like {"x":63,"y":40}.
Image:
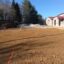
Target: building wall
{"x":62,"y":23}
{"x":56,"y":22}
{"x":49,"y":22}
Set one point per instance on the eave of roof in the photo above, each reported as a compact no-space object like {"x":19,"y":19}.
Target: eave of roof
{"x":51,"y":18}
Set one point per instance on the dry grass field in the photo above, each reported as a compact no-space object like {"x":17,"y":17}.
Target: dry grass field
{"x":32,"y":46}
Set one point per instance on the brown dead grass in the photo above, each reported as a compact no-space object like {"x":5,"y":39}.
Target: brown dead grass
{"x":32,"y":46}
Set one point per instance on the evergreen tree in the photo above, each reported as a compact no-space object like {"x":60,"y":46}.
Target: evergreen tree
{"x":18,"y":13}
{"x":17,"y":17}
{"x":26,"y":9}
{"x":33,"y":16}
{"x":41,"y":20}
{"x":13,"y":11}
{"x":29,"y":13}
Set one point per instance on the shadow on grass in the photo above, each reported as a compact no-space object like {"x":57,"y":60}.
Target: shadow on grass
{"x":22,"y":47}
{"x":27,"y":43}
{"x":31,"y":38}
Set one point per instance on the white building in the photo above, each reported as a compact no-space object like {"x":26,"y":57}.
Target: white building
{"x":49,"y":21}
{"x":57,"y":21}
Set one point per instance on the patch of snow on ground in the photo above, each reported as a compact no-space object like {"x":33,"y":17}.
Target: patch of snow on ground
{"x":33,"y":26}
{"x":38,"y":26}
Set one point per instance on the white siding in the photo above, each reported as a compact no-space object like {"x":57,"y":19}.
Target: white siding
{"x":62,"y":23}
{"x":49,"y":22}
{"x":57,"y":22}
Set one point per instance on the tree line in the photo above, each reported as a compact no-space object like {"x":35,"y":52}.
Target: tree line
{"x":25,"y":14}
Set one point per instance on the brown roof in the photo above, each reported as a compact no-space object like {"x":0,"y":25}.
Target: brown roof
{"x":61,"y":18}
{"x":58,"y":16}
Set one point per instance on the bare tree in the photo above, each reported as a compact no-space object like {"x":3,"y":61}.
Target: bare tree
{"x":4,"y":1}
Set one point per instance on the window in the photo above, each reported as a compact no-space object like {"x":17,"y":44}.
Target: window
{"x":59,"y":23}
{"x":54,"y":22}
